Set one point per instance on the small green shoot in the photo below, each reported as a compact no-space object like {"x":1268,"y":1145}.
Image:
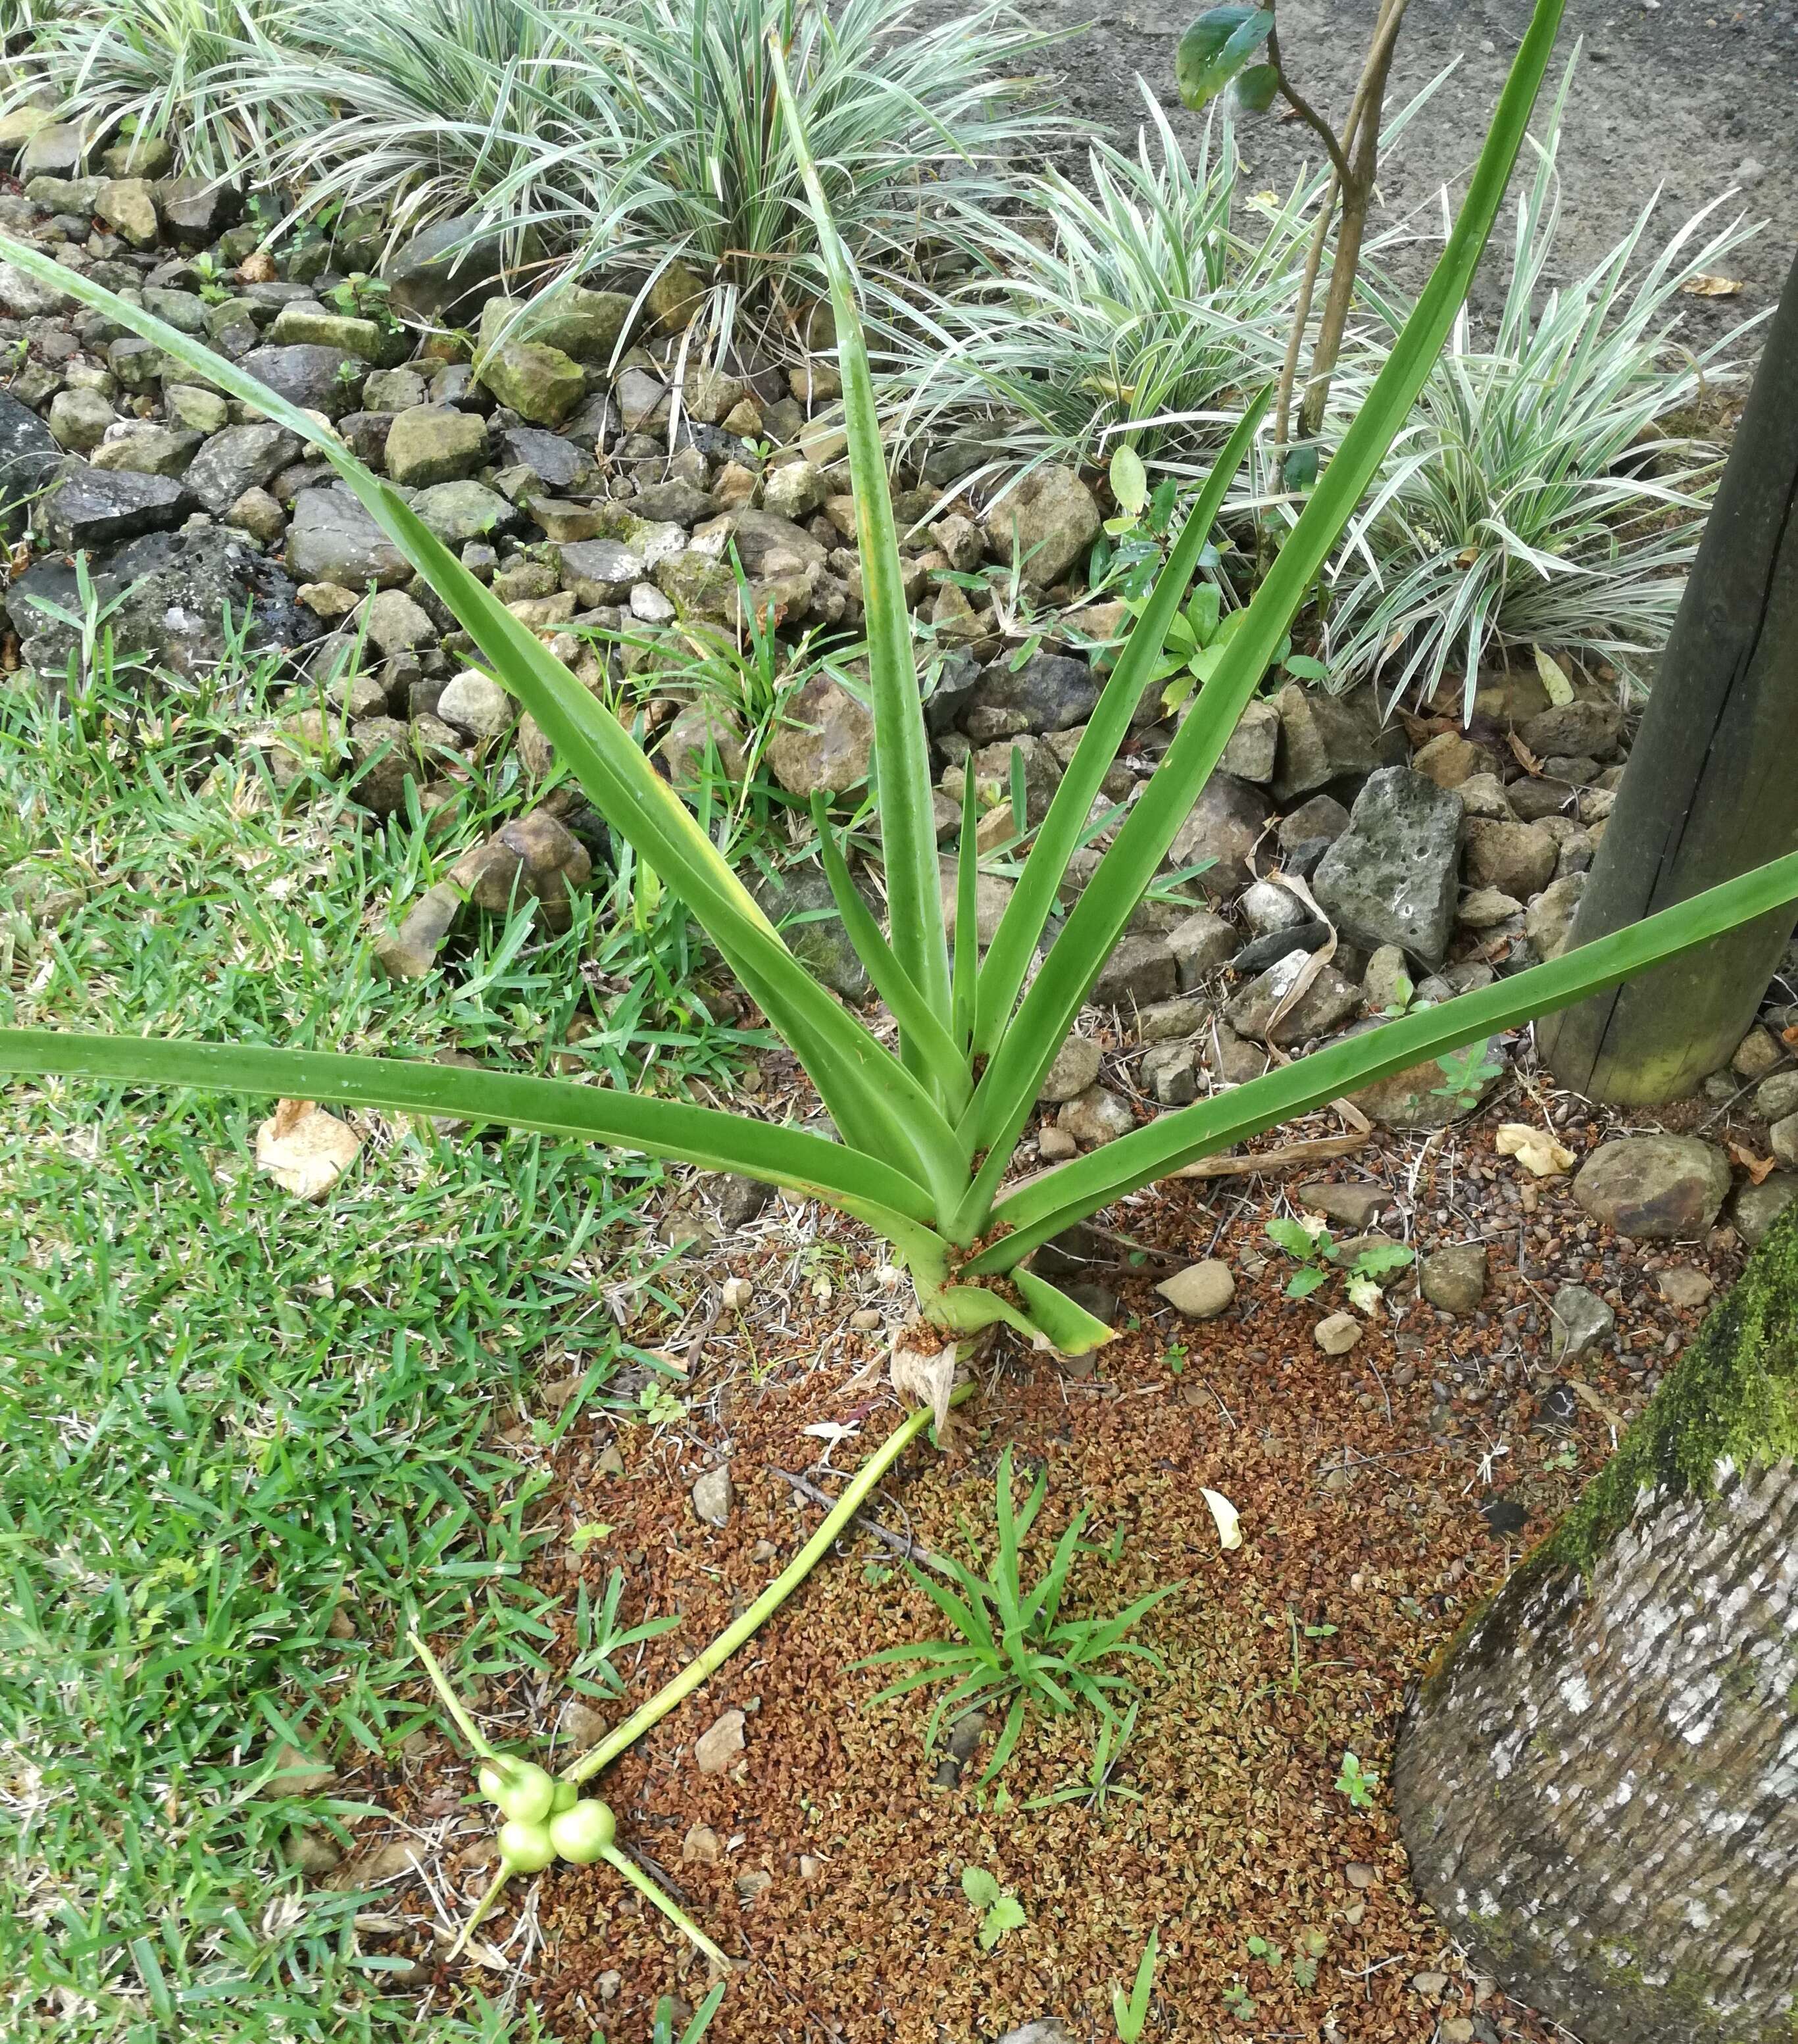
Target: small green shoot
{"x":1000,"y":1910}
{"x":1468,"y":1073}
{"x":1098,"y":1788}
{"x":1312,"y":1248}
{"x":1357,"y":1782}
{"x":1130,"y":2013}
{"x":1239,"y":2002}
{"x":1318,"y":1255}
{"x":1011,"y":1645}
{"x":663,"y":2031}
{"x":599,"y":1636}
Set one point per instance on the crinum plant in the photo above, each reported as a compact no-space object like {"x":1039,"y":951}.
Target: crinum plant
{"x":929,"y":1129}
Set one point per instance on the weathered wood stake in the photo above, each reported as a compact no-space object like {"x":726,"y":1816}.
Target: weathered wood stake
{"x":1712,"y":785}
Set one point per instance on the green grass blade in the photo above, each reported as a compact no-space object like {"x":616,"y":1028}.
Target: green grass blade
{"x":1026,"y":913}
{"x":965,"y":993}
{"x":1033,"y":1505}
{"x":944,"y":1066}
{"x":1045,"y":1601}
{"x":1005,"y":1576}
{"x":907,"y":820}
{"x":969,"y":1619}
{"x":878,"y":1105}
{"x":1049,"y":1203}
{"x":1007,"y":1743}
{"x":1010,"y":1084}
{"x":700,"y":1135}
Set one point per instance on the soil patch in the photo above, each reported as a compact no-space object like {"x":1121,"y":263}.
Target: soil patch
{"x":1686,"y":96}
{"x":1382,"y":1493}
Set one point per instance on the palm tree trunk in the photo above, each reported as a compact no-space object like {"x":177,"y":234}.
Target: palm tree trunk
{"x":1598,"y":1787}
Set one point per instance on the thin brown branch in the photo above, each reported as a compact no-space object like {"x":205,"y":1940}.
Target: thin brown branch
{"x":1304,"y":109}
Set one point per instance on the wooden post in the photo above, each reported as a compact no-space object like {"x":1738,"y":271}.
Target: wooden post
{"x":1712,"y":785}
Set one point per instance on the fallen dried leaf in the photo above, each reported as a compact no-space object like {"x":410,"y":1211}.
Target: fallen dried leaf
{"x":1704,"y":286}
{"x":305,"y":1149}
{"x":1535,"y":1149}
{"x":1229,"y":1521}
{"x":1553,"y":676}
{"x":1757,"y":1167}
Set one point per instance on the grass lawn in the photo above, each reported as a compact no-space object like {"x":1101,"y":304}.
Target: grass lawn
{"x":243,"y":1439}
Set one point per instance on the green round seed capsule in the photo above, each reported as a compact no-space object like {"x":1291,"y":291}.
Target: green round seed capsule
{"x":565,"y":1796}
{"x":582,"y":1833}
{"x":520,"y":1788}
{"x":525,"y":1848}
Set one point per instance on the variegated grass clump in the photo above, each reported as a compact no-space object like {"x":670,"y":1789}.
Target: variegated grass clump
{"x":1552,"y":483}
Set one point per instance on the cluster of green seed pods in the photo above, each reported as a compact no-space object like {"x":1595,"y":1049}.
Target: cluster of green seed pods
{"x":545,"y":1819}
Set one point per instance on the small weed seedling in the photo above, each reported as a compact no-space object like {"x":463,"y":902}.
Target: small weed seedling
{"x":599,"y":1635}
{"x":1302,"y":1967}
{"x":1312,"y":1248}
{"x":1000,"y":1910}
{"x":1098,"y":1788}
{"x":662,"y":2023}
{"x":1130,"y":2012}
{"x":1468,"y":1073}
{"x":1357,"y":1782}
{"x":1011,"y":1645}
{"x":1318,"y":1257}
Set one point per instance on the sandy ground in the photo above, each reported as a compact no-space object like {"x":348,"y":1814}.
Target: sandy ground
{"x":1696,"y":97}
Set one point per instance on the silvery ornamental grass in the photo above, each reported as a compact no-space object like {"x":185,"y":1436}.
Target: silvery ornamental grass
{"x":1547,"y":490}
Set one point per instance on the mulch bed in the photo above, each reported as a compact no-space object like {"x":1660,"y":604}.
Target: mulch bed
{"x":1382,"y":1493}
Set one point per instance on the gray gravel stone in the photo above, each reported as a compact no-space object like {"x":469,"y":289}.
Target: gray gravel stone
{"x":1454,"y":1278}
{"x":1201,"y":1291}
{"x":1580,"y":1320}
{"x":332,"y":539}
{"x":238,"y":458}
{"x":1390,"y":877}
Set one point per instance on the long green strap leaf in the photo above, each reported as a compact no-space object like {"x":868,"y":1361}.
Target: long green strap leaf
{"x":901,"y":750}
{"x":946,"y":1067}
{"x":876,"y":1103}
{"x":1026,"y":913}
{"x":879,"y":1105}
{"x":965,"y":993}
{"x":1048,"y":1204}
{"x":1013,"y":1080}
{"x":863,"y":1186}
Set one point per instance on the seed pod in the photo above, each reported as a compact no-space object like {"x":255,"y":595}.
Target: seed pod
{"x":582,"y":1833}
{"x":525,"y":1848}
{"x":520,"y":1788}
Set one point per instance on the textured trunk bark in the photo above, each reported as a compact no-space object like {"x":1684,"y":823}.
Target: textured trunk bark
{"x":1598,"y":1787}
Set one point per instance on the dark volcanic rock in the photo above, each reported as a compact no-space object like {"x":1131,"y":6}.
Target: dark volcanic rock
{"x":1050,"y":692}
{"x":238,"y":458}
{"x":176,"y":589}
{"x":1390,"y":877}
{"x":318,"y":380}
{"x":29,"y":457}
{"x":93,"y":507}
{"x":445,"y":274}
